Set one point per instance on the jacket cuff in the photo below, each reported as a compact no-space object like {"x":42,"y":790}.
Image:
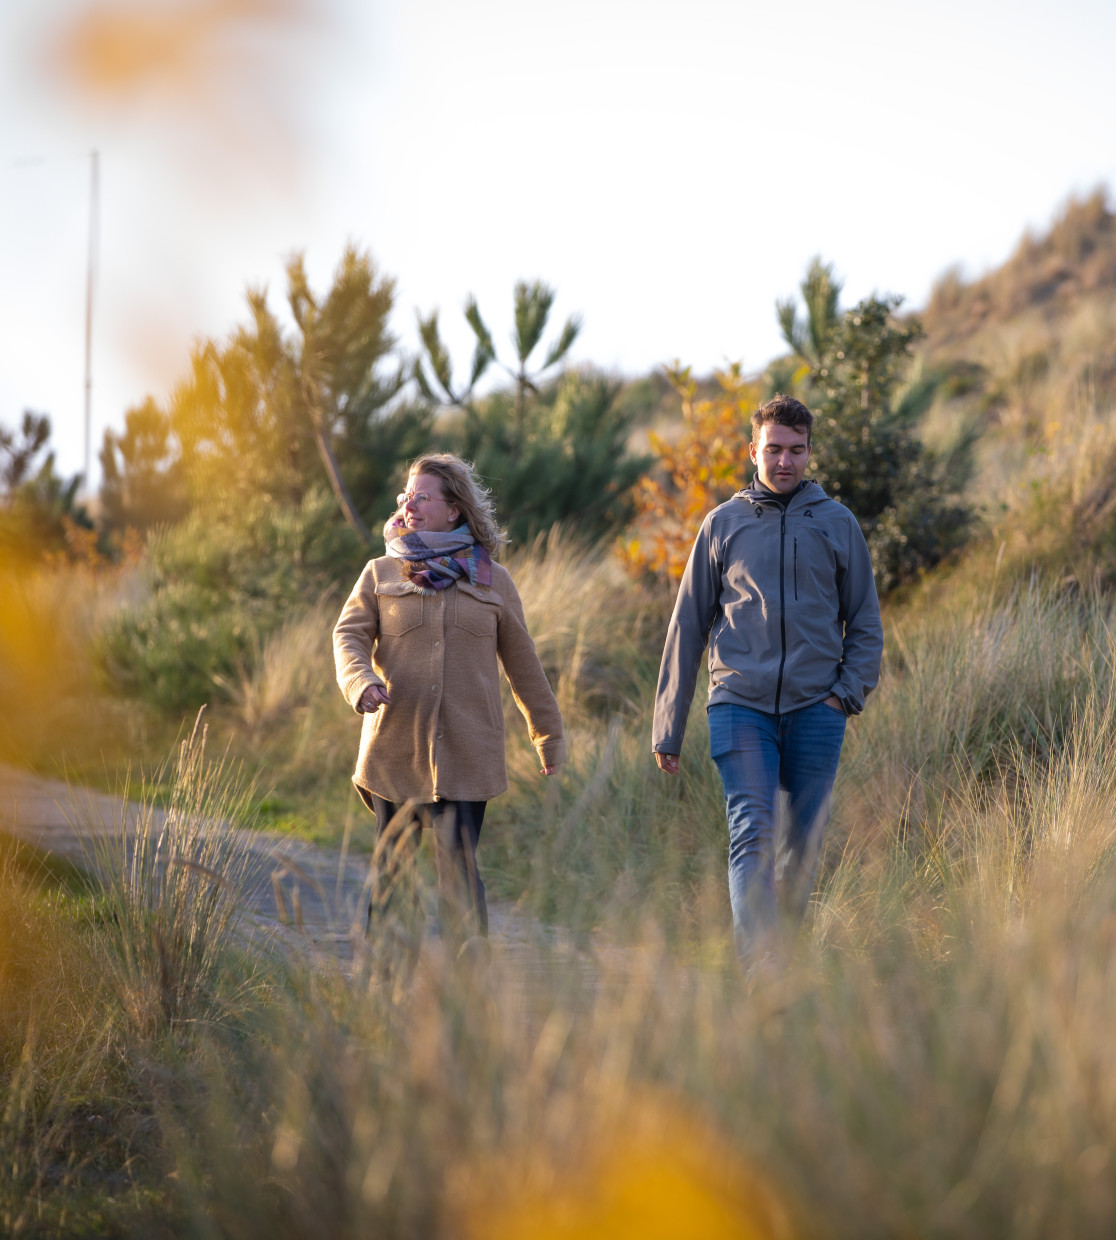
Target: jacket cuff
{"x":552,"y":752}
{"x":852,"y":705}
{"x":356,"y":689}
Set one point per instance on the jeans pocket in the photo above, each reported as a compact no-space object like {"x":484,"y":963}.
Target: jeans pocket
{"x":720,"y":730}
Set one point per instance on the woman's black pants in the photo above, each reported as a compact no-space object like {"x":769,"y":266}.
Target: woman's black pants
{"x":456,"y":827}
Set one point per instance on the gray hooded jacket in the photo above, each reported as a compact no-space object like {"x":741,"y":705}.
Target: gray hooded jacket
{"x":786,"y":601}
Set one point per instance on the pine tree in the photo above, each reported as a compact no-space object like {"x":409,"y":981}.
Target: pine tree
{"x":39,"y":509}
{"x":142,"y":481}
{"x":552,"y":449}
{"x":280,"y":413}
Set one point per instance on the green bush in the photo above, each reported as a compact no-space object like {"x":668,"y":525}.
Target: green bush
{"x":868,"y":454}
{"x":562,"y":458}
{"x":221,"y":582}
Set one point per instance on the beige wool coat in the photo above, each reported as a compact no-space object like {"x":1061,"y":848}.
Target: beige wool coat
{"x":438,"y":656}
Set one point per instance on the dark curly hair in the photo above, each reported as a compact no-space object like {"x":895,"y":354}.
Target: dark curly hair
{"x":783,"y":411}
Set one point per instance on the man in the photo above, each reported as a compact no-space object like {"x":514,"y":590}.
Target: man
{"x":779,"y":583}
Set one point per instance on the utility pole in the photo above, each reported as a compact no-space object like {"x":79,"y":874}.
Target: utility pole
{"x":90,"y":280}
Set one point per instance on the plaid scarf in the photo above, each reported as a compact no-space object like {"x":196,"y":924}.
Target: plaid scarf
{"x":432,"y":561}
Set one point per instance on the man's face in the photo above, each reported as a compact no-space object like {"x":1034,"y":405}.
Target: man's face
{"x":780,"y":455}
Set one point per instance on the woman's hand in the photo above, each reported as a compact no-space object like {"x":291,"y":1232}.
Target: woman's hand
{"x":372,"y":699}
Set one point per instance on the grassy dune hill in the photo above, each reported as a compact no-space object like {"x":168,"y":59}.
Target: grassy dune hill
{"x":1029,"y":351}
{"x":1075,"y":261}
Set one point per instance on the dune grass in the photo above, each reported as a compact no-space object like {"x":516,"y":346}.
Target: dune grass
{"x":59,"y":714}
{"x":934,"y":1060}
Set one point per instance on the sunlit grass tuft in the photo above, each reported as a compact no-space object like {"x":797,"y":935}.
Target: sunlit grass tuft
{"x":174,"y":884}
{"x":289,"y":669}
{"x":49,"y":617}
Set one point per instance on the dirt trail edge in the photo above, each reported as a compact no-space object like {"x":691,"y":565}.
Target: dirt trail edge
{"x":303,"y":898}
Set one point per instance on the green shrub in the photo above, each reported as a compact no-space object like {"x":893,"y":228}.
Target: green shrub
{"x":562,"y":457}
{"x":221,"y":582}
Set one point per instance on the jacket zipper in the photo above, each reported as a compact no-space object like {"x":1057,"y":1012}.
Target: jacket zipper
{"x":796,"y":568}
{"x":782,"y":603}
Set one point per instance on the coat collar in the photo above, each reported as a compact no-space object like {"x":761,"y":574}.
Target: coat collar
{"x":391,"y":583}
{"x":809,"y":492}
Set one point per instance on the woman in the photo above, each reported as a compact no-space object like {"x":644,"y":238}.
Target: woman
{"x":417,"y":648}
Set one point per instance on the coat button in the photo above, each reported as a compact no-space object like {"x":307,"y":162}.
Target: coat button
{"x":433,"y":688}
{"x":436,"y":645}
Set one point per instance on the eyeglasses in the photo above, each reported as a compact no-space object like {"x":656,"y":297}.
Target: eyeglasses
{"x":414,"y":497}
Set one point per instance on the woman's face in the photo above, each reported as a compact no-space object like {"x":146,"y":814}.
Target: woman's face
{"x":435,"y":514}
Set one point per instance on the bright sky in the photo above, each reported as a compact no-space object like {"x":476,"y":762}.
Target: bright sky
{"x":670,"y":167}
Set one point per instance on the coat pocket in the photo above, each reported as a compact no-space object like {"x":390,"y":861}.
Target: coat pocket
{"x":399,"y":613}
{"x":475,"y":615}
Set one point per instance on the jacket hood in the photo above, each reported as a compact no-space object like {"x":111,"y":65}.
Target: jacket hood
{"x":808,"y":492}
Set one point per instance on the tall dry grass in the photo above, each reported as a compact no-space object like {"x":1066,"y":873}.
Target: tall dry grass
{"x":934,"y":1060}
{"x":1040,"y":405}
{"x":49,"y":617}
{"x":966,"y":695}
{"x":174,"y":880}
{"x":287,"y":670}
{"x":78,"y":1151}
{"x":1052,"y":388}
{"x":51,"y":1042}
{"x":116,"y":987}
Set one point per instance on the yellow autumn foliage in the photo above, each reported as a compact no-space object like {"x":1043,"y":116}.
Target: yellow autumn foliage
{"x":652,"y":1171}
{"x":694,"y":473}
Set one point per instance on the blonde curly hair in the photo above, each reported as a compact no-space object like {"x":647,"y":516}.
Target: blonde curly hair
{"x":462,"y":487}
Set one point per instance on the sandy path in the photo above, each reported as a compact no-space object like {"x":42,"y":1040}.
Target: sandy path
{"x":305,"y":898}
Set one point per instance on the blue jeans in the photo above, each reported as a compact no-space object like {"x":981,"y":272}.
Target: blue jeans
{"x":758,"y":755}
